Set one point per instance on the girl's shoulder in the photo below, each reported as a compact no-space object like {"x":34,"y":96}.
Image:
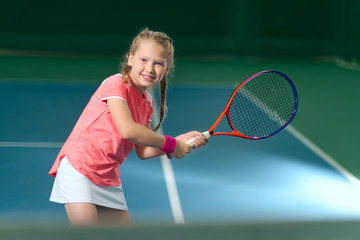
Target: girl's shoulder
{"x":113,"y":86}
{"x":115,"y":80}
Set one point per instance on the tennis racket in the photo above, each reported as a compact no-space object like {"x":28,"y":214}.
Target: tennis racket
{"x":260,"y":107}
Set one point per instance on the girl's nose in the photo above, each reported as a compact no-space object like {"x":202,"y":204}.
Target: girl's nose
{"x":149,"y":67}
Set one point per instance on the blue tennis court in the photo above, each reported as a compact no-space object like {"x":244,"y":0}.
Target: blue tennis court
{"x":231,"y":180}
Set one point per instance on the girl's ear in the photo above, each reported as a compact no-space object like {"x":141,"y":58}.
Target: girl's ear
{"x":167,"y":71}
{"x":130,"y":60}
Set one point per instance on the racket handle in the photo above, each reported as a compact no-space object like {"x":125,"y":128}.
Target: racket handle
{"x":191,"y":141}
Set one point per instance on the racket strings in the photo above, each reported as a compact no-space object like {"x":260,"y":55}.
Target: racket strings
{"x":263,"y":105}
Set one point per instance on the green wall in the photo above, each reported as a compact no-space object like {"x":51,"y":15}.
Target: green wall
{"x":245,"y":27}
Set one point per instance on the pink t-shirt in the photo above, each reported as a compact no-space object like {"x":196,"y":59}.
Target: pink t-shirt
{"x":95,"y":147}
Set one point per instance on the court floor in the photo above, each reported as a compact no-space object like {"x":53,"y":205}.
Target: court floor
{"x":231,"y":180}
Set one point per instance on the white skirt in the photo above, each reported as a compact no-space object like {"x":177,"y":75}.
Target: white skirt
{"x":70,"y":186}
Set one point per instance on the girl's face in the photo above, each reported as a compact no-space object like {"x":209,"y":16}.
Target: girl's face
{"x":148,"y":65}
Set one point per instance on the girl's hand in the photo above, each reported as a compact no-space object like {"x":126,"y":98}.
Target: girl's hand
{"x":181,"y":149}
{"x":200,"y":139}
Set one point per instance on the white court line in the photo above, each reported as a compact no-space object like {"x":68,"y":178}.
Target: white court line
{"x":32,"y":144}
{"x":323,"y":155}
{"x":169,"y":176}
{"x":172,"y":191}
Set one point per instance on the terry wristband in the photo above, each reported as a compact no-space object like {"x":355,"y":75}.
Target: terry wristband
{"x":169,"y":145}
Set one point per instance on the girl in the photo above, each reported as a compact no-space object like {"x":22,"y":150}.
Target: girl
{"x":117,"y":118}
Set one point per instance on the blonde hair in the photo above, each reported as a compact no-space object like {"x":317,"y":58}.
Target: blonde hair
{"x":167,"y":44}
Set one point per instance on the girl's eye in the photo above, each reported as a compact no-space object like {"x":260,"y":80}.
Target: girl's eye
{"x":159,"y":63}
{"x":143,"y":59}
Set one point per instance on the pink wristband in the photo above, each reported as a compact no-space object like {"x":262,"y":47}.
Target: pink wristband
{"x":169,"y":145}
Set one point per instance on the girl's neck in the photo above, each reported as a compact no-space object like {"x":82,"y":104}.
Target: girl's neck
{"x":140,"y":90}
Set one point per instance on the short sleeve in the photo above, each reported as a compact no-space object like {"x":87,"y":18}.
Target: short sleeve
{"x":114,"y":87}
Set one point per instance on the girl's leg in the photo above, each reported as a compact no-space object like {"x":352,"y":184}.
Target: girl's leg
{"x":113,"y":216}
{"x":82,"y":214}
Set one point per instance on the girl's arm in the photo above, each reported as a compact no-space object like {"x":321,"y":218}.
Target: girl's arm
{"x":145,"y":152}
{"x":139,"y":134}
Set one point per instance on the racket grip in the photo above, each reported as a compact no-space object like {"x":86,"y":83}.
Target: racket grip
{"x":191,"y":141}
